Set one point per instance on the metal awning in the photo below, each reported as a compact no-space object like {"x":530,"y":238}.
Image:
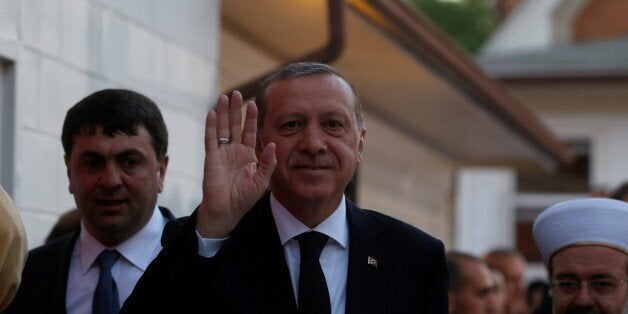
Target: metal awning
{"x":406,"y":71}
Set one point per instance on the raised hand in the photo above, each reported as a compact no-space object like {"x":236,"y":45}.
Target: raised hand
{"x":233,"y":179}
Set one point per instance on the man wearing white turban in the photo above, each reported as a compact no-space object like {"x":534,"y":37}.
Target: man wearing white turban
{"x":584,"y":244}
{"x":13,"y":249}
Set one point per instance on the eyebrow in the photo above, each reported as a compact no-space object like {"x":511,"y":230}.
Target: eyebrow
{"x":89,"y":153}
{"x":124,"y":153}
{"x":576,"y":277}
{"x":130,"y":151}
{"x":603,"y":276}
{"x":567,"y":276}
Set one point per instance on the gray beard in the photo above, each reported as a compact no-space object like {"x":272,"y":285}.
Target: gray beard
{"x":583,"y":311}
{"x":593,"y":310}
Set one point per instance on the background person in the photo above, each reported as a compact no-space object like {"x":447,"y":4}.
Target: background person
{"x":250,"y":251}
{"x":69,"y":222}
{"x":115,"y":144}
{"x":513,"y":266}
{"x":472,"y":287}
{"x":584,"y":244}
{"x":537,"y":295}
{"x":13,"y":248}
{"x":500,"y":291}
{"x":620,"y":193}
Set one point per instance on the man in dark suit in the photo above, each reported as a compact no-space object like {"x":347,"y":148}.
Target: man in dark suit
{"x":115,"y":144}
{"x":302,"y":247}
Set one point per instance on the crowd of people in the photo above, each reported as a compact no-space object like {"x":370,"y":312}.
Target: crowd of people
{"x":274,"y":232}
{"x":493,"y":284}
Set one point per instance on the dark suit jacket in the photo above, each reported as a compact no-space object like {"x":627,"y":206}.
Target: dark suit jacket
{"x":45,"y":276}
{"x":249,"y":274}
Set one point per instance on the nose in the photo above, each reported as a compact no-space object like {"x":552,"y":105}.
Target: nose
{"x":491,"y":302}
{"x":312,"y":140}
{"x":495,"y":300}
{"x":110,"y":177}
{"x":584,"y":298}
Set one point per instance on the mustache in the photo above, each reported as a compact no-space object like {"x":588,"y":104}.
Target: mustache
{"x":113,"y":193}
{"x":312,"y":161}
{"x":580,"y":310}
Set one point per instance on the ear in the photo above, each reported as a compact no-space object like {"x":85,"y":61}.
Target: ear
{"x":163,"y":166}
{"x":66,"y":158}
{"x":361,"y":144}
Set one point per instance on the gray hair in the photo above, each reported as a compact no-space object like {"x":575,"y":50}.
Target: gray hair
{"x":296,"y":70}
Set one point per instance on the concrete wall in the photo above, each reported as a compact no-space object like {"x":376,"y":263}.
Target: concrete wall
{"x":62,"y":50}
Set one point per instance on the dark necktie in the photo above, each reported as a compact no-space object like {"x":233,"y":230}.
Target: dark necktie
{"x":106,"y":300}
{"x":313,"y":293}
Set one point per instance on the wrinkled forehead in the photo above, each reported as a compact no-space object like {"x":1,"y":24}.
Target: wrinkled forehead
{"x":316,"y":92}
{"x":311,"y":84}
{"x":590,"y":260}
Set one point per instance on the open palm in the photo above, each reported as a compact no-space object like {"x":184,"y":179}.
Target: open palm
{"x":233,"y":178}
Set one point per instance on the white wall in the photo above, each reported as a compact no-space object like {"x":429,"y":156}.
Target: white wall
{"x":528,"y":27}
{"x":63,"y":50}
{"x":607,"y":136}
{"x":485,"y":209}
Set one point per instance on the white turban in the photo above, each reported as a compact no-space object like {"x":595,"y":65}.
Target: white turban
{"x":592,"y":221}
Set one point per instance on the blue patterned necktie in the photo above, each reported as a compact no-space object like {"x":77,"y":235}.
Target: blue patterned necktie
{"x":106,"y":300}
{"x":313,"y":293}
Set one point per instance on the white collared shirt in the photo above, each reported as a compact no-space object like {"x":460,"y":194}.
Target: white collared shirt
{"x":136,"y":253}
{"x":334,"y":257}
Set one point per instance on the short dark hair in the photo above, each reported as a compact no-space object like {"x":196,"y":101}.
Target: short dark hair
{"x":116,"y":111}
{"x":620,"y":192}
{"x":457,"y":278}
{"x":504,"y":251}
{"x":302,"y":69}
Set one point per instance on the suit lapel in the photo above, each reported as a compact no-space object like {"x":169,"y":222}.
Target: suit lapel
{"x":166,"y":213}
{"x":59,"y":284}
{"x":367,"y":285}
{"x":262,"y":262}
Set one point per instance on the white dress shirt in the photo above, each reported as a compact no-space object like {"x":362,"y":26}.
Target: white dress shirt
{"x":135,"y":255}
{"x":334,"y":258}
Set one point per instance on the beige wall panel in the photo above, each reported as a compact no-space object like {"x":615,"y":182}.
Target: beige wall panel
{"x":240,"y":61}
{"x":401,"y":177}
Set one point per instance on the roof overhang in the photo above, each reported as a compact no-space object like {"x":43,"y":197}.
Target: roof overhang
{"x":405,"y":69}
{"x":595,"y":61}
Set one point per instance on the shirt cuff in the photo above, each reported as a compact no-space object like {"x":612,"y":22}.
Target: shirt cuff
{"x":208,"y":247}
